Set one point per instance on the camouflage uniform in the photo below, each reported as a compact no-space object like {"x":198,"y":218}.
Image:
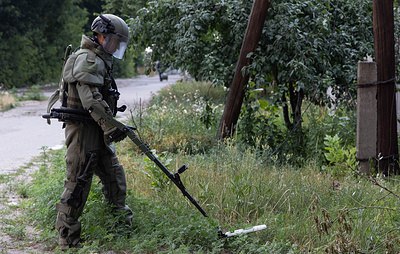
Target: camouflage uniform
{"x":87,"y":72}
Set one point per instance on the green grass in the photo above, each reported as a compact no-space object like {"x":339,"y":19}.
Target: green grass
{"x":33,"y":93}
{"x":305,"y":210}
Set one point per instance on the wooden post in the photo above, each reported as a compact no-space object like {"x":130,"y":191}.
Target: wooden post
{"x":366,"y":115}
{"x":383,"y":23}
{"x":236,"y":91}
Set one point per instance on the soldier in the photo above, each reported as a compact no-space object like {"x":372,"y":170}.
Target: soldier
{"x":89,"y":143}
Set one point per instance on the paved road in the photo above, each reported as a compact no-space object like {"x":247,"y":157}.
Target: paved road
{"x":24,"y":133}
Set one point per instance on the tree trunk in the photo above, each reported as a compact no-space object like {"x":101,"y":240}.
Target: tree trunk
{"x":383,"y":23}
{"x":286,"y":116}
{"x":296,"y":100}
{"x":236,"y":92}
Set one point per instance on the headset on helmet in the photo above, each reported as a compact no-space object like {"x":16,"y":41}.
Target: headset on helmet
{"x":116,"y":33}
{"x":102,"y":25}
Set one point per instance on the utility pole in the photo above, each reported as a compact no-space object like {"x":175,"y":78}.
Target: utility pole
{"x":383,"y":24}
{"x":236,"y":91}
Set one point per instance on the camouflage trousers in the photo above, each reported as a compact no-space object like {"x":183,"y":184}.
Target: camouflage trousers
{"x":88,"y":155}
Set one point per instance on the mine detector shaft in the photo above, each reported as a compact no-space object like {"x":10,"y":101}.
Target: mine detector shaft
{"x":67,"y":114}
{"x":175,"y":178}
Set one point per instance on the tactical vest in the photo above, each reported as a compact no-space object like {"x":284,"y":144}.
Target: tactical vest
{"x":87,"y":67}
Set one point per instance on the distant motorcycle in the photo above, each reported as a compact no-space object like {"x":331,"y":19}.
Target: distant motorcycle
{"x":163,"y":76}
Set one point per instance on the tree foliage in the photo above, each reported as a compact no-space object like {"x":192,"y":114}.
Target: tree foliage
{"x":34,"y":36}
{"x":93,"y":9}
{"x":309,"y":44}
{"x":306,"y":47}
{"x":202,"y":37}
{"x":124,"y":8}
{"x":314,"y":44}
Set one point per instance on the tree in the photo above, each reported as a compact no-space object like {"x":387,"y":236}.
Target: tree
{"x":201,"y":37}
{"x":236,"y":92}
{"x":93,"y":9}
{"x":34,"y":37}
{"x":124,"y":8}
{"x":307,"y":46}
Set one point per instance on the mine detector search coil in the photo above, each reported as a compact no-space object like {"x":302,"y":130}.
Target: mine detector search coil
{"x":66,"y":114}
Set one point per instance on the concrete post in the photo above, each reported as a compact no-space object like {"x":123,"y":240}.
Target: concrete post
{"x":366,"y":115}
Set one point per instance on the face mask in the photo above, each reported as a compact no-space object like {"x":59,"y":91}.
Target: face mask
{"x":119,"y":53}
{"x":115,"y":45}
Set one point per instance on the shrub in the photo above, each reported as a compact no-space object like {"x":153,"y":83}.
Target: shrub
{"x":341,"y":160}
{"x":182,"y":117}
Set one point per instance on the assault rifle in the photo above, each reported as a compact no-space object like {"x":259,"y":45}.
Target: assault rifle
{"x":66,"y":114}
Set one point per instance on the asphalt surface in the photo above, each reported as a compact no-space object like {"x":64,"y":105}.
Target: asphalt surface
{"x":24,"y":134}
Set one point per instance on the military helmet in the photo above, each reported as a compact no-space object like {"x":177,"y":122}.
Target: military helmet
{"x":116,"y":33}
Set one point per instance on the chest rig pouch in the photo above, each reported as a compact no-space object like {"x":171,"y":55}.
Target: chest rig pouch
{"x":111,"y":94}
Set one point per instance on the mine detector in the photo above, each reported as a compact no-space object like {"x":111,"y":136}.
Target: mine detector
{"x":68,"y":114}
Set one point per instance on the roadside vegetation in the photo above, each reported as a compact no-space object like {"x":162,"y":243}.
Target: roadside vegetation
{"x":319,"y":205}
{"x":7,"y":101}
{"x":10,"y":99}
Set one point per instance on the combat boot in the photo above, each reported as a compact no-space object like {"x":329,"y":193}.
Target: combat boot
{"x":64,"y":245}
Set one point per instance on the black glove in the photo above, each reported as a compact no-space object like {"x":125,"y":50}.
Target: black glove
{"x":114,"y":135}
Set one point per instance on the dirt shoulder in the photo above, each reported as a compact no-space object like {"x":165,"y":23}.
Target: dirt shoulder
{"x":17,"y":236}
